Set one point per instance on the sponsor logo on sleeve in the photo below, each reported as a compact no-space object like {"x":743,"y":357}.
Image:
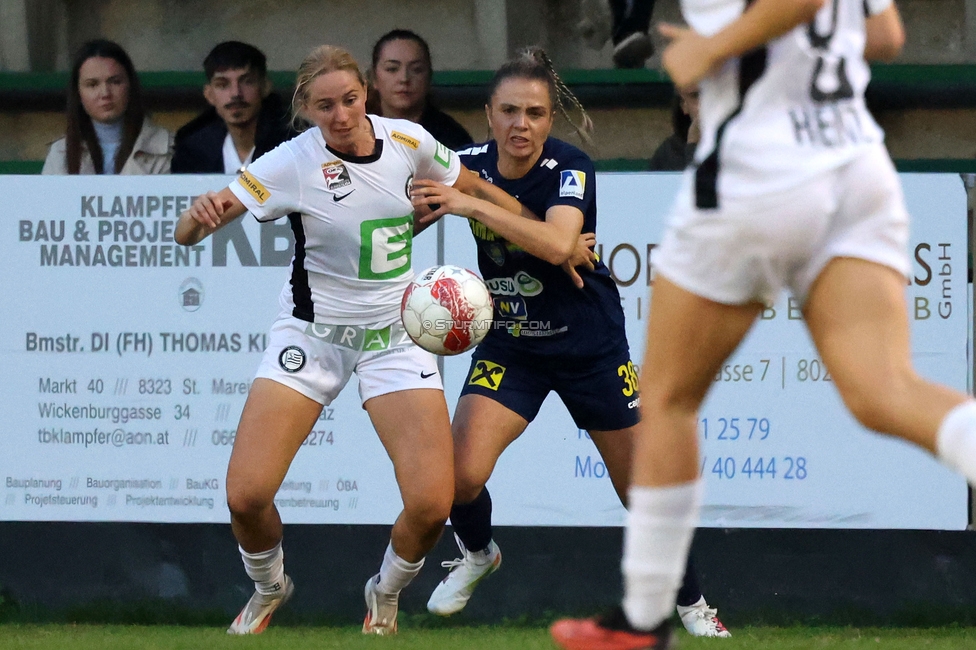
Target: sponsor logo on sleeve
{"x":336,"y":175}
{"x":443,"y":155}
{"x":413,"y":143}
{"x":572,"y":183}
{"x":254,"y":187}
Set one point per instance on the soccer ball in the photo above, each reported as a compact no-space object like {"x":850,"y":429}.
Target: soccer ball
{"x":446,"y":310}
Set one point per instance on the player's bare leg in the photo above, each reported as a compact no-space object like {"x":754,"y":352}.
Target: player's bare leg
{"x":275,"y":421}
{"x":616,"y":450}
{"x":482,"y":429}
{"x":688,"y":339}
{"x":414,"y":427}
{"x":858,"y":319}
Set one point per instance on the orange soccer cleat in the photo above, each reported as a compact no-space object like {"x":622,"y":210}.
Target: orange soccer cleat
{"x":611,"y":631}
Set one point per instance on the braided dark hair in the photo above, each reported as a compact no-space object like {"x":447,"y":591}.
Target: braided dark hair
{"x":533,"y":63}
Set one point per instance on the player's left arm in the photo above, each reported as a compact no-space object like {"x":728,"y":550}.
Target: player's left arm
{"x":473,"y":185}
{"x":553,"y":239}
{"x":690,"y":56}
{"x":885,"y":32}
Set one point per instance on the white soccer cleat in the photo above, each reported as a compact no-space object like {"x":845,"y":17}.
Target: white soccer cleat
{"x":701,"y":620}
{"x":381,"y":610}
{"x":453,"y":592}
{"x":256,"y":615}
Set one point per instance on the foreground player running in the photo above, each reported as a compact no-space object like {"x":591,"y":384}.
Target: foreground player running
{"x":348,"y":177}
{"x":792,"y":187}
{"x":563,"y":339}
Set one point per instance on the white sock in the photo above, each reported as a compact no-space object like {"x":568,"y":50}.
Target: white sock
{"x":395,"y":572}
{"x":266,"y":569}
{"x":660,"y":525}
{"x":955,"y":444}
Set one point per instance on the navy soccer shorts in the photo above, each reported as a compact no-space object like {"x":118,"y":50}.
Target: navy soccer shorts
{"x":601,"y":396}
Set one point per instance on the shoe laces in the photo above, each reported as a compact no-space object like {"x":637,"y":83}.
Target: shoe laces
{"x":710,"y":616}
{"x":453,"y":564}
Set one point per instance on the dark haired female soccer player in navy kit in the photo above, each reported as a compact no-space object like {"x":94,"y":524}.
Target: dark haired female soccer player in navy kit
{"x":556,"y":337}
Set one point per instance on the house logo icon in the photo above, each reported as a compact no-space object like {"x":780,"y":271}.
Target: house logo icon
{"x":190,"y":294}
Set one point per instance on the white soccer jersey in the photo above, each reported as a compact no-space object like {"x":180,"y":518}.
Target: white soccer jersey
{"x":787,"y":111}
{"x":353,"y":242}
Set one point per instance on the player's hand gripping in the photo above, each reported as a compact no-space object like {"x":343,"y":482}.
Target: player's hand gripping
{"x":583,"y":255}
{"x":208,"y":210}
{"x":441,"y":199}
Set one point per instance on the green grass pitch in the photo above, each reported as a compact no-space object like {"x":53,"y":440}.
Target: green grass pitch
{"x":127,"y":637}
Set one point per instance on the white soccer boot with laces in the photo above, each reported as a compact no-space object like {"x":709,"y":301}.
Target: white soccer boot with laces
{"x":256,"y":615}
{"x":381,"y":610}
{"x":453,"y":592}
{"x":701,"y":620}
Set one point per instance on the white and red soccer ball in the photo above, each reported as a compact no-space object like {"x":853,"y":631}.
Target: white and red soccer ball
{"x":446,"y":310}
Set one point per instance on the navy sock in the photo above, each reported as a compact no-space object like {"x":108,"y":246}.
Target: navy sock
{"x":472,"y":522}
{"x":690,"y":592}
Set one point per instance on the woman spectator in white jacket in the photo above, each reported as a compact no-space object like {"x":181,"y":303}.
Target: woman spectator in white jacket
{"x":107,"y":131}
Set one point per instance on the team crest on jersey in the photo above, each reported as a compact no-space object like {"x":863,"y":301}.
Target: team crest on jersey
{"x":336,"y":175}
{"x":572,"y":183}
{"x":408,"y":186}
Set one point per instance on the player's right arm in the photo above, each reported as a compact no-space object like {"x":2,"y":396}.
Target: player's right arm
{"x":209,"y":212}
{"x":269,"y":188}
{"x":691,"y":56}
{"x":885,"y":31}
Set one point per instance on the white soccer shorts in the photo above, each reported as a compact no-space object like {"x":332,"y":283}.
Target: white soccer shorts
{"x":317,"y":360}
{"x":750,"y":248}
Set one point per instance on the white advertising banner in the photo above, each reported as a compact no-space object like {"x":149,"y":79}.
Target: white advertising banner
{"x":778,"y":448}
{"x":127,"y":360}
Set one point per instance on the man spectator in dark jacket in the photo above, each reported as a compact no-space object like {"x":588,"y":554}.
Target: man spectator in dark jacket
{"x":245,"y":118}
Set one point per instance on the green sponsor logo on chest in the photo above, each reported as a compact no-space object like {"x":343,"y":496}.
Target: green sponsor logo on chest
{"x":385,"y":248}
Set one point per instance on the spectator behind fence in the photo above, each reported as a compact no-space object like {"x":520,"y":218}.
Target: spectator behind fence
{"x":678,"y":150}
{"x":107,"y":131}
{"x":400,"y":87}
{"x":244,"y":121}
{"x":623,"y":22}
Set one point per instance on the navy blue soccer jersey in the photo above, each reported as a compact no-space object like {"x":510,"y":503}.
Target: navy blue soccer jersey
{"x":538,"y":309}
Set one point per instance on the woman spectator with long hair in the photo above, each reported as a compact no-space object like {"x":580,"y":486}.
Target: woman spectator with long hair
{"x":400,"y":87}
{"x":107,"y":130}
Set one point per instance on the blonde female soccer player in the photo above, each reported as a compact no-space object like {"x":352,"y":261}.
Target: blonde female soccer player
{"x":348,"y":178}
{"x":772,"y":201}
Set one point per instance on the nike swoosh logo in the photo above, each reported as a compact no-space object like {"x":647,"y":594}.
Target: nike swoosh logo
{"x":427,"y":376}
{"x":339,"y":197}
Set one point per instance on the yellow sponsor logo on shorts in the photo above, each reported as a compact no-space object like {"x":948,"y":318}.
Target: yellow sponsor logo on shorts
{"x":254,"y":187}
{"x":413,"y":143}
{"x":486,"y":374}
